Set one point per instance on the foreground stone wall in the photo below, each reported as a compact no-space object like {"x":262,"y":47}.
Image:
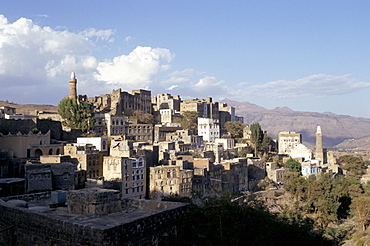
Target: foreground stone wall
{"x":20,"y":226}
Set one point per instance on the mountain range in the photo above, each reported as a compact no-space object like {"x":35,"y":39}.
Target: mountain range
{"x":339,"y":131}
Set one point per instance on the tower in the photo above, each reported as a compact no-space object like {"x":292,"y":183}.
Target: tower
{"x":319,"y":155}
{"x":73,"y":86}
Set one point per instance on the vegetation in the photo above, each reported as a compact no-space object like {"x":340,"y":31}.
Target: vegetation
{"x":259,"y":138}
{"x":353,"y":165}
{"x":327,"y":200}
{"x":77,"y":114}
{"x":188,"y":120}
{"x":241,"y":153}
{"x":235,"y":128}
{"x":294,"y":166}
{"x":142,"y":117}
{"x":219,"y":221}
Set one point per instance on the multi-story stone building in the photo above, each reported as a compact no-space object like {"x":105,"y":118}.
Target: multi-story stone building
{"x":88,"y":157}
{"x":166,"y":180}
{"x":235,"y":175}
{"x":209,"y":129}
{"x":185,"y":136}
{"x":166,"y":101}
{"x":131,"y":171}
{"x":288,"y":141}
{"x":112,"y":125}
{"x":196,"y":105}
{"x":123,"y":103}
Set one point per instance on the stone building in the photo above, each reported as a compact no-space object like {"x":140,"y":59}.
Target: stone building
{"x":256,"y":168}
{"x":185,"y":136}
{"x":100,"y":143}
{"x":274,"y":173}
{"x":50,"y":176}
{"x":209,"y":129}
{"x":29,"y":145}
{"x":166,"y":116}
{"x":235,"y":175}
{"x":88,"y":157}
{"x":161,"y":131}
{"x":120,"y":103}
{"x":166,"y":101}
{"x":4,"y":110}
{"x":166,"y":180}
{"x":130,"y":171}
{"x":309,"y":167}
{"x":288,"y":141}
{"x":196,"y":105}
{"x":112,"y":125}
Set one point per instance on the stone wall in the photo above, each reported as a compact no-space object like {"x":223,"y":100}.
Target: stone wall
{"x":19,"y":226}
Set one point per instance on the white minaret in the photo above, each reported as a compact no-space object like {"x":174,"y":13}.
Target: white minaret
{"x":319,"y":155}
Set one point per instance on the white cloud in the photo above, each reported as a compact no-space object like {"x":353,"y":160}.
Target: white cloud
{"x":32,"y":54}
{"x":41,"y":15}
{"x":317,"y":85}
{"x":128,"y":38}
{"x":189,"y":84}
{"x":135,"y":70}
{"x":104,"y":35}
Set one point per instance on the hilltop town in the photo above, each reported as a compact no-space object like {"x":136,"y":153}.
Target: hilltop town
{"x":111,"y":169}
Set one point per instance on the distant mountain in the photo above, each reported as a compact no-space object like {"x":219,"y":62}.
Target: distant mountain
{"x":335,"y":128}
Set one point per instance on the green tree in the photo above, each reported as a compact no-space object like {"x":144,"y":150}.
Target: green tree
{"x":142,"y":117}
{"x":77,"y":114}
{"x":188,"y":120}
{"x":235,"y":128}
{"x":360,"y":207}
{"x":353,"y":165}
{"x":294,"y":166}
{"x":256,"y":136}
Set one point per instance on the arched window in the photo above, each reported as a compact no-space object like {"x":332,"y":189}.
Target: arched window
{"x":38,"y":153}
{"x":51,"y":151}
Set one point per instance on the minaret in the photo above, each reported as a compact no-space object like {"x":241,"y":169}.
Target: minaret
{"x":73,"y":86}
{"x":319,"y":155}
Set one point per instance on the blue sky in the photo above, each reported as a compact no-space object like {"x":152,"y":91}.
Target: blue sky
{"x":306,"y":55}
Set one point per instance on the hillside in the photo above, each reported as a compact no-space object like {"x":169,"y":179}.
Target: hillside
{"x":335,"y":128}
{"x":29,"y":108}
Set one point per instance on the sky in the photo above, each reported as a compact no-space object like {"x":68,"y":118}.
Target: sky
{"x":306,"y":55}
